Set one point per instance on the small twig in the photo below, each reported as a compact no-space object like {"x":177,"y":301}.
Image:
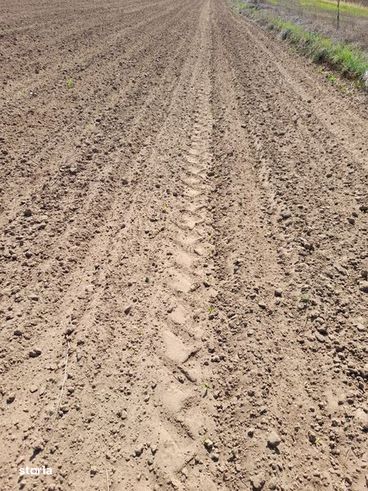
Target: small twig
{"x":64,"y":381}
{"x":60,"y":395}
{"x":107,"y":480}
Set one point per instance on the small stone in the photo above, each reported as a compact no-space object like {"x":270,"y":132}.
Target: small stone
{"x":348,"y":479}
{"x":363,"y":286}
{"x":285,"y":214}
{"x":319,"y":337}
{"x":273,"y":440}
{"x":138,"y":451}
{"x":312,"y":437}
{"x":322,"y":330}
{"x":69,"y":330}
{"x":257,"y":482}
{"x":38,"y":447}
{"x":208,"y":444}
{"x":93,"y":471}
{"x":278,"y":292}
{"x":362,"y":419}
{"x":250,"y":432}
{"x":127,"y":309}
{"x":10,"y":398}
{"x":122,"y":414}
{"x":34,"y":353}
{"x":233,"y":455}
{"x":27,"y":212}
{"x":360,"y":327}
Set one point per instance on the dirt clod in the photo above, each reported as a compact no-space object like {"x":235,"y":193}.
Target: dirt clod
{"x":273,"y":440}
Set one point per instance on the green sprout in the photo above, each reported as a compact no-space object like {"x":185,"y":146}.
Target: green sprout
{"x":331,"y":78}
{"x":206,"y":388}
{"x":70,"y":83}
{"x":305,"y":298}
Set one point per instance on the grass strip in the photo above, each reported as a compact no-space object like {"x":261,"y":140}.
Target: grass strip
{"x":331,"y":6}
{"x":345,"y":58}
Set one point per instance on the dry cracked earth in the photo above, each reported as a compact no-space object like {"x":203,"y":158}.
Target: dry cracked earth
{"x":184,"y":262}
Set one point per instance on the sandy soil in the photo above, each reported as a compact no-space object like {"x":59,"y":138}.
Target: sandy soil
{"x":184,"y":262}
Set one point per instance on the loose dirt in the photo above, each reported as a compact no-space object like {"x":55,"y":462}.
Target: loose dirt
{"x":184,"y":262}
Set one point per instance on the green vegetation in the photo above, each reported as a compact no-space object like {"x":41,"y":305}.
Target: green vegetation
{"x":350,"y":61}
{"x":331,"y":78}
{"x":347,"y":59}
{"x":346,"y":8}
{"x":305,"y":298}
{"x":331,"y":5}
{"x":70,"y":83}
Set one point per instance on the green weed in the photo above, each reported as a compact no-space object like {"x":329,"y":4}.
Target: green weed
{"x":70,"y":83}
{"x":331,"y":6}
{"x":206,"y":389}
{"x":331,"y":78}
{"x":305,"y":298}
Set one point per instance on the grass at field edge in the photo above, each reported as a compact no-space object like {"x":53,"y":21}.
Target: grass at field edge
{"x":348,"y":60}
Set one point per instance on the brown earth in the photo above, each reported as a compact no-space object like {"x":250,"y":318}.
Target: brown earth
{"x":184,"y":260}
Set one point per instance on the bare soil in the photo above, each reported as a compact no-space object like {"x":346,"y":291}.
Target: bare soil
{"x":184,"y":263}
